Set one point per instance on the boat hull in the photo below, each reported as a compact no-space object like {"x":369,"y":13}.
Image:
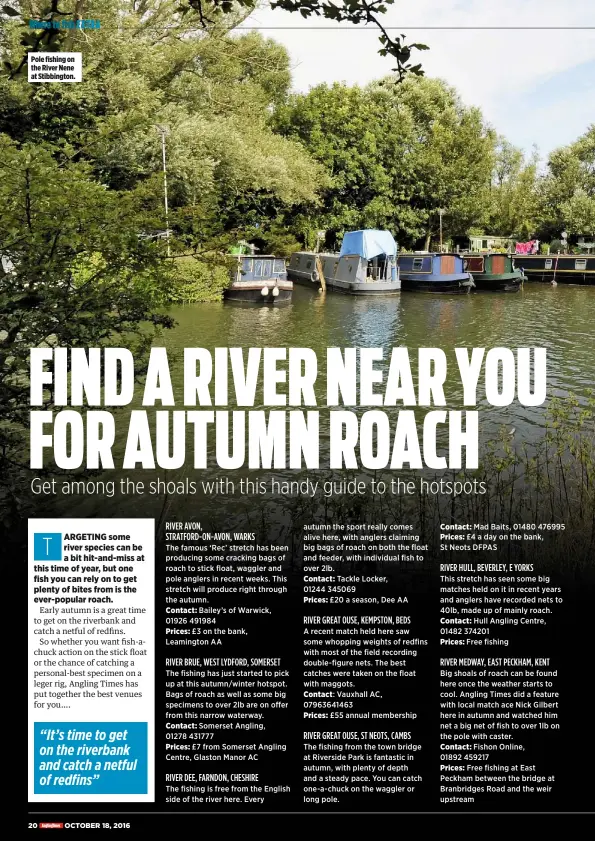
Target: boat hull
{"x":436,"y":284}
{"x":251,"y":293}
{"x":507,"y":282}
{"x":379,"y":287}
{"x":348,"y":287}
{"x":303,"y":278}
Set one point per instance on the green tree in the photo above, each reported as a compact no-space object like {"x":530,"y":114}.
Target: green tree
{"x":567,"y":191}
{"x":148,"y":65}
{"x":209,"y":14}
{"x":578,"y":213}
{"x":367,"y":12}
{"x":513,"y":209}
{"x":396,"y":154}
{"x":82,"y":185}
{"x":454,"y":148}
{"x":75,"y":274}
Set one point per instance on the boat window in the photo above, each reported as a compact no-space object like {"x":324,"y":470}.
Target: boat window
{"x":549,"y":263}
{"x":279,"y":266}
{"x":350,"y":268}
{"x":309,"y":264}
{"x":418,"y":264}
{"x":473,"y":264}
{"x":580,"y":265}
{"x":258,"y":268}
{"x":267,"y":268}
{"x":246,"y":265}
{"x":484,"y":243}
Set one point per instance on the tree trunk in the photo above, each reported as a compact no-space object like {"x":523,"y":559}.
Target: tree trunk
{"x":428,"y":238}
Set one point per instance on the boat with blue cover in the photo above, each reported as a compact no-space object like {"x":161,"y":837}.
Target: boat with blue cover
{"x":366,"y":265}
{"x":260,"y":280}
{"x":429,"y":272}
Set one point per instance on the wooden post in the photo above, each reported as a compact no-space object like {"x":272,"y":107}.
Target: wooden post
{"x":320,"y":273}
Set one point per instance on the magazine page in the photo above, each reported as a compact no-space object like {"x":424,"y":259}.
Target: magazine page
{"x":297,"y":437}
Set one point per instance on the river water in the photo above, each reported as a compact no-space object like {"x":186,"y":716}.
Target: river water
{"x":561,"y":319}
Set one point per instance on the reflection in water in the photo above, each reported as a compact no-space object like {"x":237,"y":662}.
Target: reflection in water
{"x":371,"y":322}
{"x":560,"y":319}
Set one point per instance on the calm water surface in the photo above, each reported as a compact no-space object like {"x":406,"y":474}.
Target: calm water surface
{"x":561,"y":319}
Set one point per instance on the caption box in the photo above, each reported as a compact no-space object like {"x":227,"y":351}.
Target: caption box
{"x":54,"y":67}
{"x":91,"y":659}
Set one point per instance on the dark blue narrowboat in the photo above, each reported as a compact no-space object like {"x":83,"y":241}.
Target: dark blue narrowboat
{"x":577,"y":269}
{"x":260,"y":280}
{"x":434,"y":273}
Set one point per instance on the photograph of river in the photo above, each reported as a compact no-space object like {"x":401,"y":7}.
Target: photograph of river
{"x":225,"y":181}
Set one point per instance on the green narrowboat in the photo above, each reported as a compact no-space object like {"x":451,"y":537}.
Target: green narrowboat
{"x":494,"y":272}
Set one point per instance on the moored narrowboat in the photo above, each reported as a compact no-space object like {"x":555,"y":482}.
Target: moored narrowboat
{"x":366,"y":265}
{"x":428,"y":272}
{"x":260,"y":280}
{"x":563,"y":268}
{"x":493,"y":272}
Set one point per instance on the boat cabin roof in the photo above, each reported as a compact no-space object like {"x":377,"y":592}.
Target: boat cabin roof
{"x":368,"y":244}
{"x":486,"y":254}
{"x":432,"y":254}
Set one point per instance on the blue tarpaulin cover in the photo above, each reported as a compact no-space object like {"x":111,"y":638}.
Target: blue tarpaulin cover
{"x":368,"y":244}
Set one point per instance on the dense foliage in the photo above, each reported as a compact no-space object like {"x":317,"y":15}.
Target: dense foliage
{"x":396,"y":155}
{"x":81,"y":193}
{"x":568,"y":190}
